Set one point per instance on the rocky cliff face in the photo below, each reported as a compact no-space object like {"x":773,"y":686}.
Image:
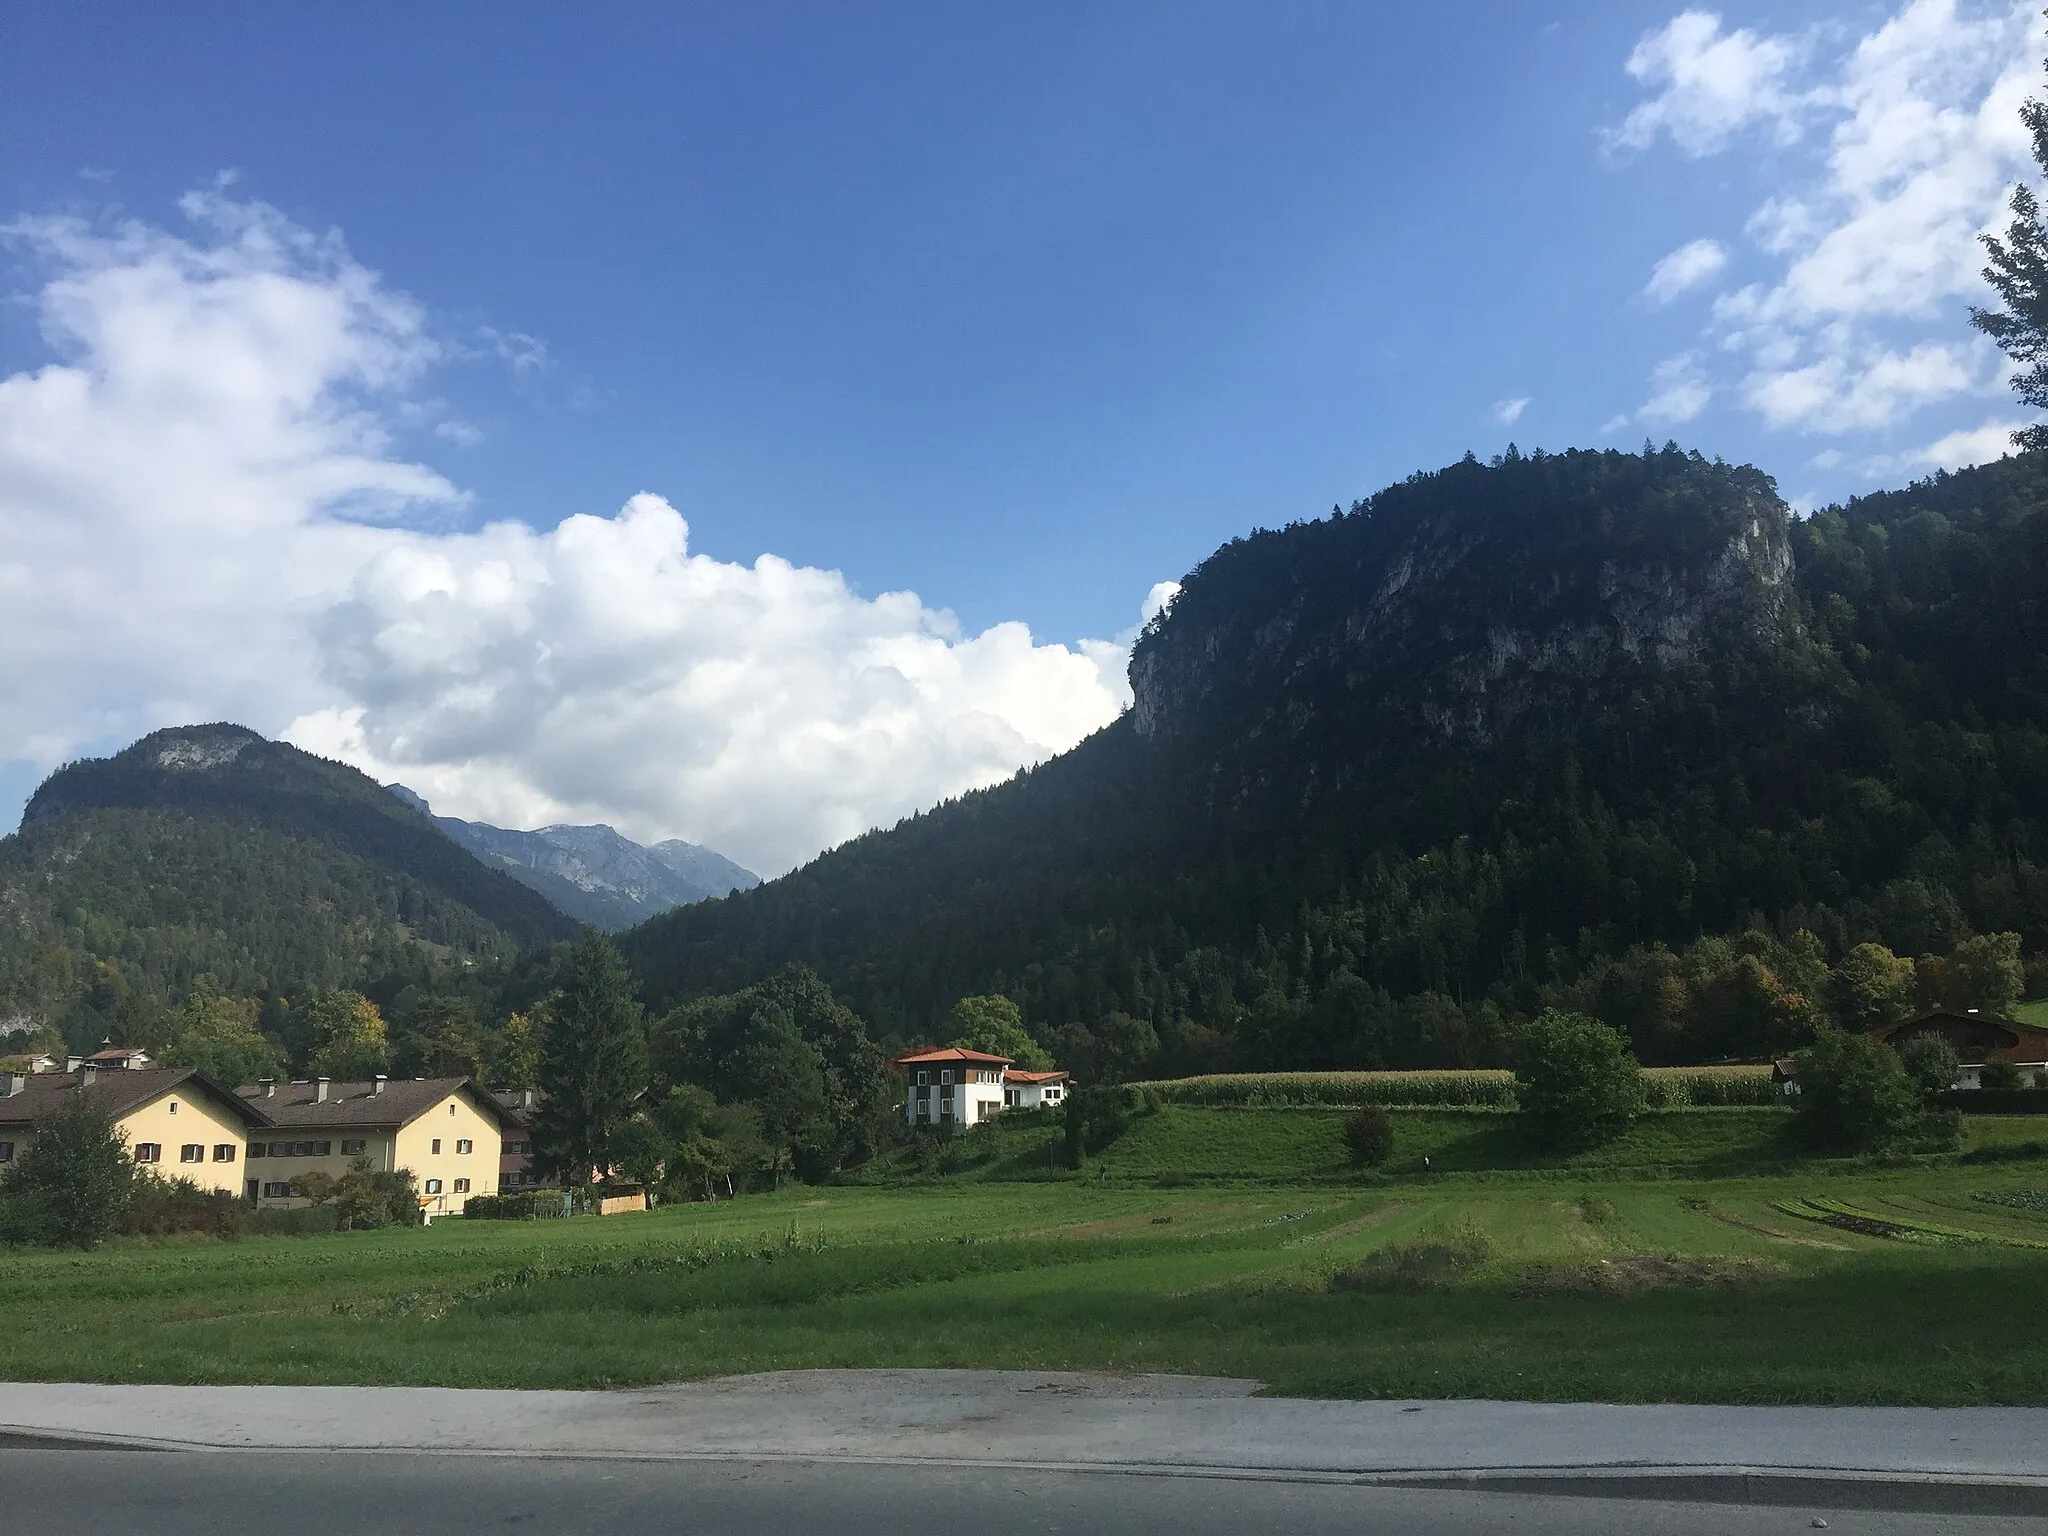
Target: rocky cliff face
{"x":1464,"y":603}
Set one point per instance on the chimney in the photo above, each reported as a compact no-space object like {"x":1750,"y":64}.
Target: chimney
{"x":73,"y":1063}
{"x":17,"y":1082}
{"x":319,"y":1090}
{"x":268,"y":1085}
{"x":377,"y":1084}
{"x":526,"y":1098}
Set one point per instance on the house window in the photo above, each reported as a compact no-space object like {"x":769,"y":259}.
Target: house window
{"x":258,"y":1148}
{"x":451,"y":1106}
{"x":174,"y":1106}
{"x":437,"y":1146}
{"x":946,"y":1076}
{"x":433,"y":1186}
{"x":224,"y":1152}
{"x":464,"y":1147}
{"x":6,"y":1151}
{"x":462,"y":1186}
{"x":192,"y":1152}
{"x":148,"y":1152}
{"x":923,"y":1078}
{"x":352,"y":1148}
{"x":276,"y":1191}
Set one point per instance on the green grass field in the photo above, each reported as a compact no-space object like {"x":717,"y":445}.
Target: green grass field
{"x":1816,"y":1283}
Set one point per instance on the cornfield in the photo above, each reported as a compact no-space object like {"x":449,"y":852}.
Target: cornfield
{"x":1668,"y":1088}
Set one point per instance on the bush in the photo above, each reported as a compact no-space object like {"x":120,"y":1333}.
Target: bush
{"x":1576,"y":1081}
{"x":1854,"y":1096}
{"x":1095,"y":1116}
{"x":1369,"y":1132}
{"x":301,"y":1221}
{"x":2001,"y":1077}
{"x":72,"y":1185}
{"x":1418,"y":1266}
{"x":1931,"y":1064}
{"x":529,"y":1205}
{"x":161,"y":1206}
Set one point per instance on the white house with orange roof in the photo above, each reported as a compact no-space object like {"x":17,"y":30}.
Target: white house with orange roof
{"x":953,"y":1088}
{"x":1033,"y":1090}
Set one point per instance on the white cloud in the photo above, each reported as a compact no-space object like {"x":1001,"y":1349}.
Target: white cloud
{"x":1955,"y":450}
{"x":203,"y":518}
{"x":1678,"y":394}
{"x":1709,"y":85}
{"x":1695,"y":262}
{"x":1876,"y":229}
{"x":1508,"y":412}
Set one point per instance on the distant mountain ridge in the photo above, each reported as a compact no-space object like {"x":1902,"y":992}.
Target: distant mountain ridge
{"x":595,"y":874}
{"x":208,"y":850}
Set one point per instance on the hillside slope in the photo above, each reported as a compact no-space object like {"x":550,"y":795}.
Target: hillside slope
{"x":1458,"y":748}
{"x":594,"y":874}
{"x":209,"y":850}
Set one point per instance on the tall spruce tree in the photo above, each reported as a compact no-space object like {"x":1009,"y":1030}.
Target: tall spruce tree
{"x":593,"y":1064}
{"x":2019,"y":273}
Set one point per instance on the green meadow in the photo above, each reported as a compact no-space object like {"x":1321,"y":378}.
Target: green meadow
{"x":1696,"y":1260}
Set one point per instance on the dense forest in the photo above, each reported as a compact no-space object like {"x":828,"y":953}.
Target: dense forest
{"x":1602,"y":729}
{"x":208,"y":855}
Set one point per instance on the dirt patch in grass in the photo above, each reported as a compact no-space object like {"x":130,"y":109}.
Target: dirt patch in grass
{"x":1776,"y":1235}
{"x":1377,"y":1217}
{"x":1139,"y":1221}
{"x":1635,"y":1274}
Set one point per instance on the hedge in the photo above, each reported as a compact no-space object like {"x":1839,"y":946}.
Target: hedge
{"x":533,"y":1205}
{"x":1998,"y":1101}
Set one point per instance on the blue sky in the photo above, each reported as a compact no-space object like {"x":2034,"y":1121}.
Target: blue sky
{"x":1021,"y":308}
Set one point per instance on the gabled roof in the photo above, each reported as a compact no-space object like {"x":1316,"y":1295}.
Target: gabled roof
{"x":950,"y":1056}
{"x":116,"y":1093}
{"x":1014,"y":1075}
{"x":1976,"y":1035}
{"x":298,"y":1106}
{"x":115,"y":1056}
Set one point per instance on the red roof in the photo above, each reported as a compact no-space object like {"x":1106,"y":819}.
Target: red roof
{"x":1015,"y":1076}
{"x":950,"y":1053}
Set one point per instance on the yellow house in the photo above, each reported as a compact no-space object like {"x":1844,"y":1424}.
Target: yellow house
{"x":446,"y":1131}
{"x":173,"y":1120}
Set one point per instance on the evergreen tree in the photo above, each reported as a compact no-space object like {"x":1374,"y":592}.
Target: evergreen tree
{"x":593,"y":1064}
{"x":2019,"y":273}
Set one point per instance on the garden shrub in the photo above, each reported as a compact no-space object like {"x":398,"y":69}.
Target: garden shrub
{"x":160,"y":1206}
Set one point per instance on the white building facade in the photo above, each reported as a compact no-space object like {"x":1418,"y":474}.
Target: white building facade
{"x":953,"y":1088}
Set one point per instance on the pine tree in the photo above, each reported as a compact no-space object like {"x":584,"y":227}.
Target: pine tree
{"x":593,"y":1064}
{"x":2019,"y":272}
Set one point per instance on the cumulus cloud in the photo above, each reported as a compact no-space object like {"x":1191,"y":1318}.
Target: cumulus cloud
{"x":1695,"y":262}
{"x":1710,"y":85}
{"x":205,"y":518}
{"x":1955,"y":450}
{"x":1909,"y":137}
{"x":1508,"y":412}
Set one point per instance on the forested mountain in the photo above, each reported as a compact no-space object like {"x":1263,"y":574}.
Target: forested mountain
{"x":1604,"y":729}
{"x":209,"y":851}
{"x":594,"y":874}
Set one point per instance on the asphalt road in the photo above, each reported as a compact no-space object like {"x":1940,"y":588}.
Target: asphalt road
{"x":68,"y":1492}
